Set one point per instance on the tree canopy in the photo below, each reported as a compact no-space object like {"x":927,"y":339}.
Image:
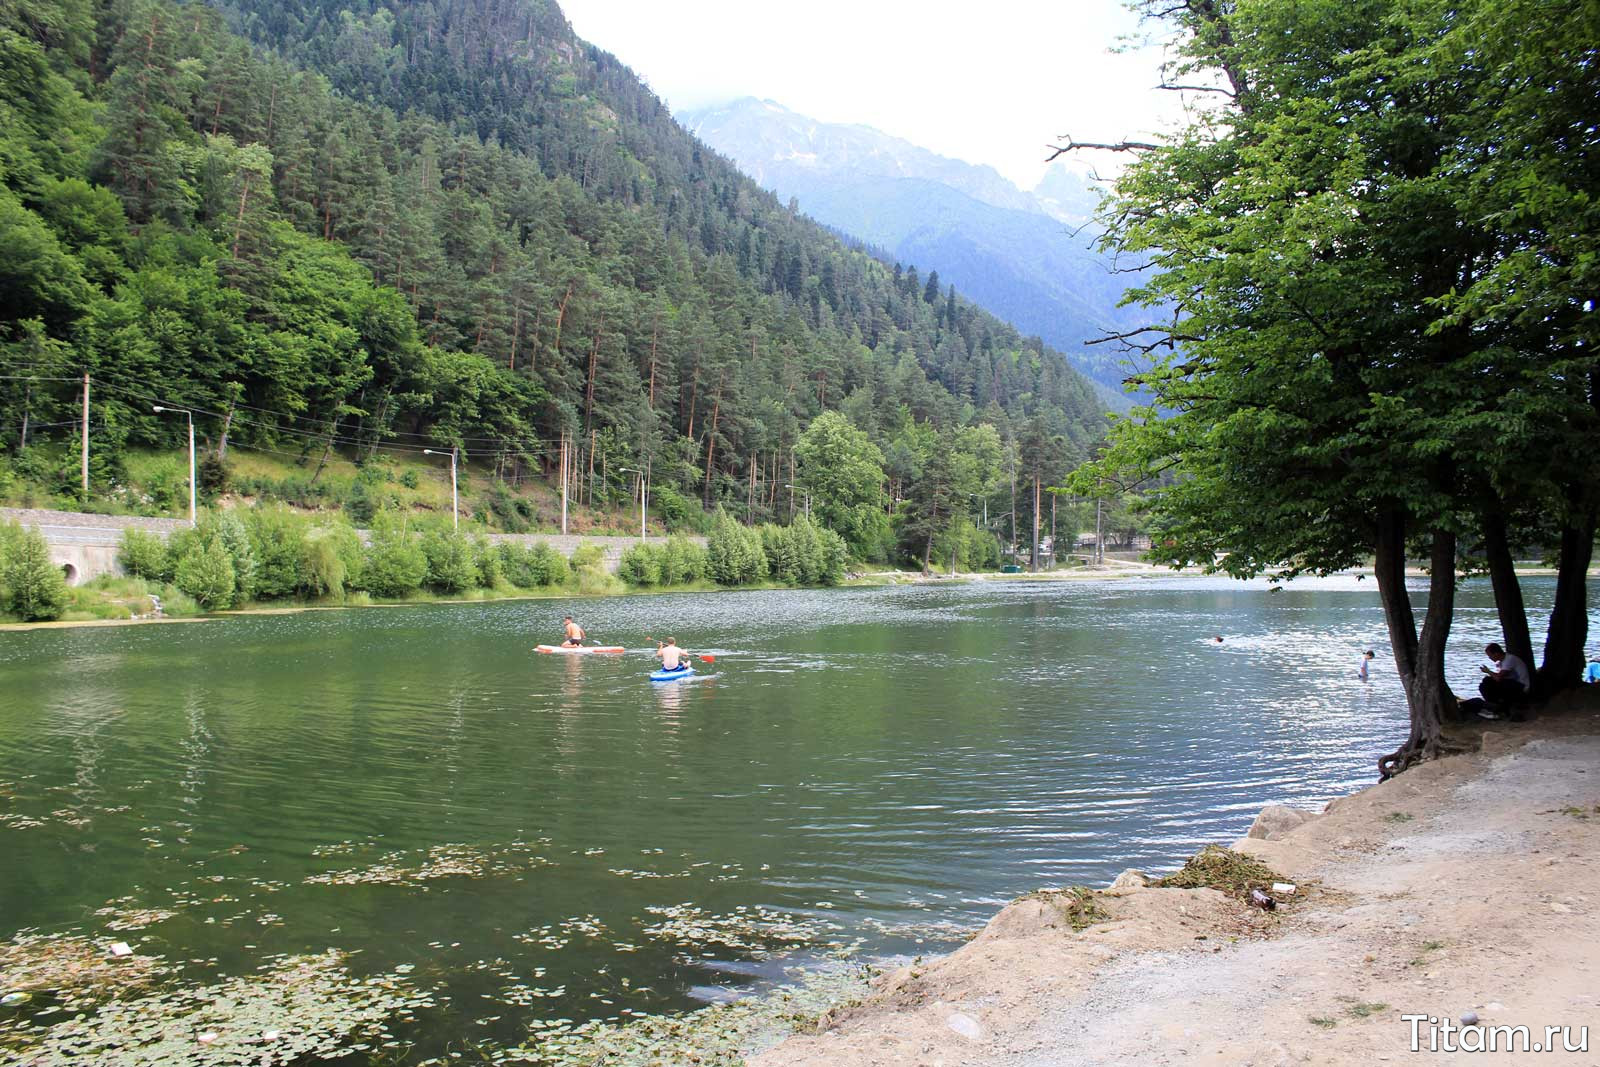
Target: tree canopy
{"x":1376,"y":344}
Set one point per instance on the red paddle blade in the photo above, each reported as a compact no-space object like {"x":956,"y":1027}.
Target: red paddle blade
{"x":708,"y":659}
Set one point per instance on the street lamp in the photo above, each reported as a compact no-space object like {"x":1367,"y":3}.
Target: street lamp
{"x":186,"y":413}
{"x":800,"y":488}
{"x":455,"y":505}
{"x":640,"y":473}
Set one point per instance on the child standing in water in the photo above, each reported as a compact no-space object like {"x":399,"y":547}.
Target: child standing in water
{"x":1366,"y":658}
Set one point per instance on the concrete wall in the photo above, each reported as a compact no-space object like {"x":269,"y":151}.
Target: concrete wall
{"x":85,"y":546}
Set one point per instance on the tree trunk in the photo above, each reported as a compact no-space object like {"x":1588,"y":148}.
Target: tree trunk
{"x":1033,"y":553}
{"x":1569,"y":618}
{"x":933,"y":524}
{"x":711,"y":439}
{"x":1428,"y":695}
{"x":238,"y":224}
{"x":227,"y":424}
{"x":1507,"y":589}
{"x":588,"y":389}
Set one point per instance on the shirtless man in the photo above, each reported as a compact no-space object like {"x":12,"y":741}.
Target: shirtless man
{"x":670,"y":655}
{"x":575,"y":634}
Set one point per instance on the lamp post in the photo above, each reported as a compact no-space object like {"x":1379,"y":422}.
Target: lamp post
{"x":186,"y":413}
{"x":642,"y":490}
{"x":455,"y":505}
{"x":807,"y":492}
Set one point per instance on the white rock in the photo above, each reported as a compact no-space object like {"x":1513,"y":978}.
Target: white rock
{"x":207,"y":1038}
{"x":965,"y":1025}
{"x":121,"y":948}
{"x":1494,"y":1005}
{"x":1131,"y":879}
{"x":1283,"y":887}
{"x":1276,"y":820}
{"x":1469,"y":1018}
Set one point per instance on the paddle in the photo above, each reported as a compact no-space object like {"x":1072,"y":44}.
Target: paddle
{"x":701,"y":656}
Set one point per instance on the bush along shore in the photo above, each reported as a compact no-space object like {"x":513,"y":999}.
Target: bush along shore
{"x":272,"y":556}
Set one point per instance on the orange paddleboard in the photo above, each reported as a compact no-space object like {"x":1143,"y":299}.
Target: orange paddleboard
{"x":576,"y":650}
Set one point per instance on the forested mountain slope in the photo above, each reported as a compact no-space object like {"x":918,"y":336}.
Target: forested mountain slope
{"x":450,"y":223}
{"x":1028,"y":257}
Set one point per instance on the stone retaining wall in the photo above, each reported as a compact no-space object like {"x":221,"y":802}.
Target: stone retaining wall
{"x":85,"y":545}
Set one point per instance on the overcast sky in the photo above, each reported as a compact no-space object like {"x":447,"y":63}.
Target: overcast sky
{"x":988,"y":83}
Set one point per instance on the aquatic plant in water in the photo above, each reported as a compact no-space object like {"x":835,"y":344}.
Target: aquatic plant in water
{"x":294,"y":1008}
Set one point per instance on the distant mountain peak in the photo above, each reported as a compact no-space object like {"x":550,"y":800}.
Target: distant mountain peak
{"x":768,"y":139}
{"x":1024,"y":255}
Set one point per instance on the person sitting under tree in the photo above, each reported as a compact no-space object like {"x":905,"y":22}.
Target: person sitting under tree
{"x":1506,"y":684}
{"x":1591,"y":672}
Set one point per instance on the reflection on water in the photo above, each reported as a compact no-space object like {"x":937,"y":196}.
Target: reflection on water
{"x":554,"y":836}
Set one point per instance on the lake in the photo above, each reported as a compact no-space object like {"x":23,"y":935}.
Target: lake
{"x":540,"y":837}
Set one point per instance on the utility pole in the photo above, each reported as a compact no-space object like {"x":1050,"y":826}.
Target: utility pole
{"x":86,"y":436}
{"x":1099,"y":539}
{"x":1052,"y":531}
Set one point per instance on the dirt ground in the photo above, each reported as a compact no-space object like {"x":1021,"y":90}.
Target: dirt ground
{"x":1469,"y":885}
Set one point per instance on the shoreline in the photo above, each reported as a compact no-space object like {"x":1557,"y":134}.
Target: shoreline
{"x":1465,"y":885}
{"x":1115,"y":570}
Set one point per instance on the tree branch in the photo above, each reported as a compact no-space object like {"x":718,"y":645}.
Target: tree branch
{"x":1056,"y":151}
{"x":1168,"y":338}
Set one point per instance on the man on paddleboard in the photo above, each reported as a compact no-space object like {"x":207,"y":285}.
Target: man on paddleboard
{"x":575,"y":634}
{"x":670,"y":655}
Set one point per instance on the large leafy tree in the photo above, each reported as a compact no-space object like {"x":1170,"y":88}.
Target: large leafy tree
{"x":843,"y":469}
{"x":1308,"y":234}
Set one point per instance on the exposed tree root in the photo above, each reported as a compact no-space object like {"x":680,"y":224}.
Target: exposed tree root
{"x":1418,"y":750}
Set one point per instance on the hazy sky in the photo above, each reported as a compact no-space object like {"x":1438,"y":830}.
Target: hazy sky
{"x":988,"y":83}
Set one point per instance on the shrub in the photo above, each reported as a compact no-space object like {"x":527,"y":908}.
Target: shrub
{"x":206,"y":573}
{"x":322,"y":565}
{"x":530,"y":567}
{"x":216,"y":477}
{"x":144,"y":555}
{"x":34,"y":587}
{"x":641,"y":565}
{"x":359,"y":503}
{"x":671,"y":505}
{"x":352,"y":552}
{"x":277,"y":539}
{"x":450,"y":564}
{"x":166,"y":485}
{"x":735,"y":555}
{"x":509,"y":510}
{"x":782,"y":553}
{"x":486,"y":561}
{"x":227,"y":528}
{"x":834,"y":556}
{"x":587,"y":554}
{"x":395,"y":562}
{"x":409,"y":479}
{"x":682,"y":561}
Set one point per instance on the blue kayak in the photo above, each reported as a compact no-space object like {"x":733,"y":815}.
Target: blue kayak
{"x":672,"y":676}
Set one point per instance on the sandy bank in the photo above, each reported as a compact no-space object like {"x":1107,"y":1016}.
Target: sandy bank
{"x":1467,"y":885}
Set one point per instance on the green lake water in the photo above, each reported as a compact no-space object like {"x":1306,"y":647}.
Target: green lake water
{"x":542,"y":836}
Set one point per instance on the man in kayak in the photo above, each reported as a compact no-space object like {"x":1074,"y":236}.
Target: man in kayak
{"x":575,"y":634}
{"x":671,"y":656}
